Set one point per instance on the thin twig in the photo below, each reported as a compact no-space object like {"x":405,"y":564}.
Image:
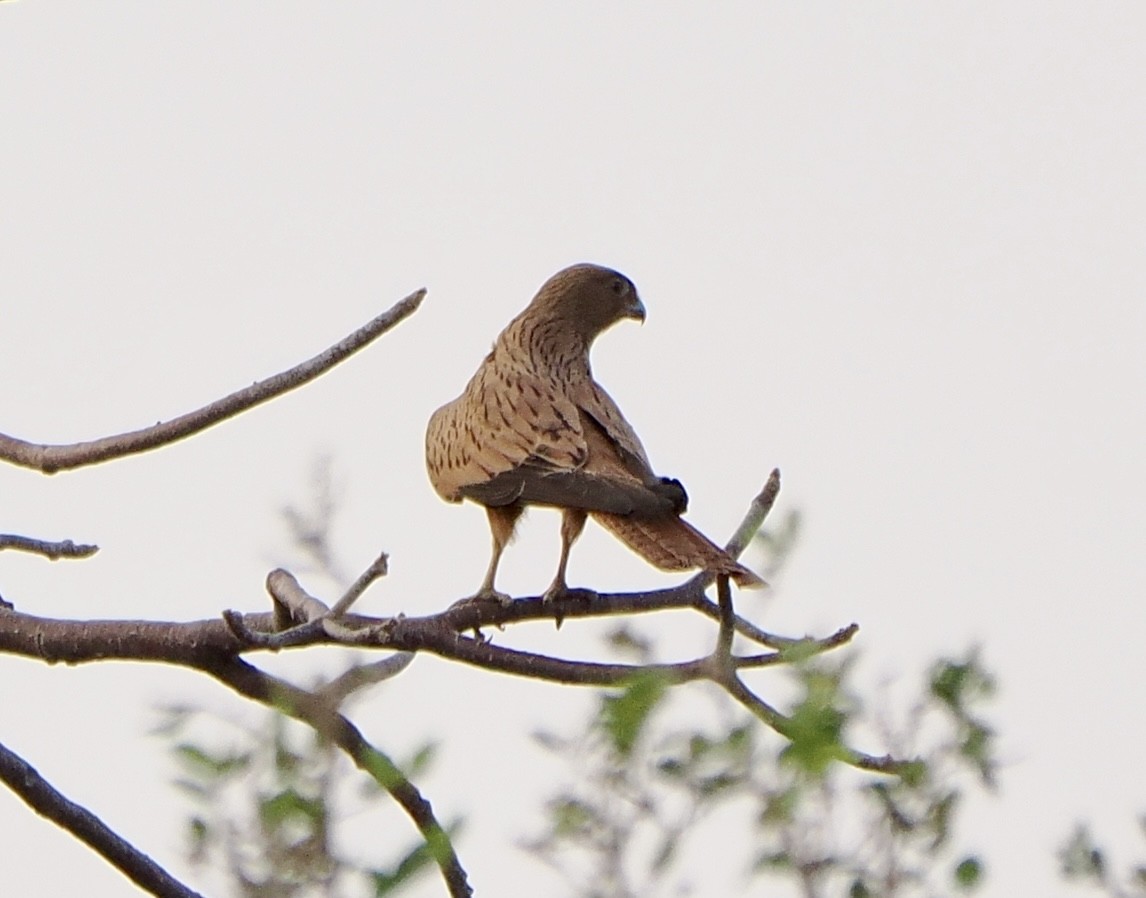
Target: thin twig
{"x":753,"y":520}
{"x":51,"y":550}
{"x":52,"y":458}
{"x":360,"y":676}
{"x":45,"y":800}
{"x":757,"y":512}
{"x":378,"y":568}
{"x":750,"y":700}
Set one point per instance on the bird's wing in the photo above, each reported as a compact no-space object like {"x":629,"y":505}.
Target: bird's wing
{"x":592,"y":399}
{"x":506,"y":418}
{"x":515,"y":436}
{"x":601,"y":483}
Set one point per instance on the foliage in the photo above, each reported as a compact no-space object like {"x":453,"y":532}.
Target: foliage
{"x":1081,"y":860}
{"x":266,"y":806}
{"x":642,"y":784}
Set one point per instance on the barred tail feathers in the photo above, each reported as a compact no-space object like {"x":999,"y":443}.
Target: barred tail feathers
{"x":672,"y":544}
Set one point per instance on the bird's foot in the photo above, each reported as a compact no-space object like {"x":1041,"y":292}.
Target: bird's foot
{"x":485,"y":594}
{"x":556,"y":590}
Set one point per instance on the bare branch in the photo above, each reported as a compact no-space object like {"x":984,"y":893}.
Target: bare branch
{"x":362,"y":675}
{"x":51,"y":550}
{"x":292,"y":603}
{"x":750,"y":700}
{"x":193,"y":643}
{"x":753,"y":519}
{"x":208,"y":643}
{"x":757,"y":512}
{"x":45,"y":800}
{"x":727,"y":630}
{"x":378,"y":568}
{"x":52,"y":458}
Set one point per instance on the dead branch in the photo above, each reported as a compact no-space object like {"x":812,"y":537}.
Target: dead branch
{"x":49,"y":459}
{"x":45,"y":800}
{"x":50,"y":550}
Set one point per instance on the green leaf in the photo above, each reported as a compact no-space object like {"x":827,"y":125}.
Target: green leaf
{"x":198,"y":832}
{"x":859,"y":889}
{"x":773,"y":860}
{"x":421,"y":760}
{"x":624,"y":714}
{"x":799,"y":651}
{"x":815,"y":727}
{"x":968,"y":873}
{"x":780,"y":807}
{"x":383,"y":770}
{"x":572,"y":818}
{"x":913,"y":774}
{"x":739,"y":741}
{"x":1080,"y":858}
{"x":939,"y":817}
{"x":386,"y":882}
{"x":699,"y":746}
{"x":957,"y":683}
{"x":290,"y":806}
{"x":207,"y":766}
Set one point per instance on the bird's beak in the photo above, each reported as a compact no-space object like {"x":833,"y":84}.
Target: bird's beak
{"x":636,"y":309}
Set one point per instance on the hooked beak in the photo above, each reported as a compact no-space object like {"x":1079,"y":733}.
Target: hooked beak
{"x":636,"y":309}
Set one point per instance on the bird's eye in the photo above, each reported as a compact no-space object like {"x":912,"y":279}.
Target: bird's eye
{"x":620,"y":287}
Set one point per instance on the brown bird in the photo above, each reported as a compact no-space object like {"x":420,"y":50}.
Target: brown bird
{"x":533,"y":428}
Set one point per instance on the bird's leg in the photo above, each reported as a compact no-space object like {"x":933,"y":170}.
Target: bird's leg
{"x":502,"y":520}
{"x":572,"y":523}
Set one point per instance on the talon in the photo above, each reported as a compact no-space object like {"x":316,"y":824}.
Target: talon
{"x":554,"y":592}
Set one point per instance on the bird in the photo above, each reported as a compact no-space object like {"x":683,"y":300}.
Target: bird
{"x":533,"y":427}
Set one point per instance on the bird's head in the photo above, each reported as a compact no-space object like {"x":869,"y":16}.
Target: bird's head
{"x":590,"y":298}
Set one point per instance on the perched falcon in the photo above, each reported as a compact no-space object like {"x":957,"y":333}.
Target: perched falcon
{"x":533,"y":428}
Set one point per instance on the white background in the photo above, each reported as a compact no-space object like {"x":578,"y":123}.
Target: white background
{"x":895,"y":250}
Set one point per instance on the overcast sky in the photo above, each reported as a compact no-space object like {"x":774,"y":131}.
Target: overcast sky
{"x":893,"y":249}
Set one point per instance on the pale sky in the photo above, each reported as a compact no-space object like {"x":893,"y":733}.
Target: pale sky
{"x":893,"y":249}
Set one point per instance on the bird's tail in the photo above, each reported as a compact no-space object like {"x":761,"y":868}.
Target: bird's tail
{"x":675,"y":545}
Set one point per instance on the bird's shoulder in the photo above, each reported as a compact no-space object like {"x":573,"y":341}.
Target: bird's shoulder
{"x":509,"y":414}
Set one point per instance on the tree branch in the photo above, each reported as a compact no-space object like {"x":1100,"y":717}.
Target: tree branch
{"x":754,"y":518}
{"x":299,"y":619}
{"x":723,"y":650}
{"x":45,"y":800}
{"x":52,"y":458}
{"x":50,"y":550}
{"x":312,"y":710}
